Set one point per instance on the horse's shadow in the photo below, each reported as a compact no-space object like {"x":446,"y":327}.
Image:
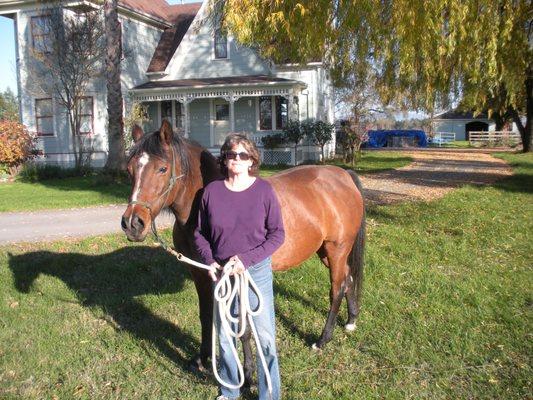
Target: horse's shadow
{"x":111,"y":282}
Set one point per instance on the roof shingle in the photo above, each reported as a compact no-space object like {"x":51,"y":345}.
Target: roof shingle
{"x":182,"y":16}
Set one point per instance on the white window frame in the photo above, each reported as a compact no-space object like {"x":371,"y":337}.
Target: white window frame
{"x":37,"y":133}
{"x":213,"y":55}
{"x":274,"y":116}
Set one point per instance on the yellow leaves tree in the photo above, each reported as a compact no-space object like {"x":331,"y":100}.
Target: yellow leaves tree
{"x":422,"y":53}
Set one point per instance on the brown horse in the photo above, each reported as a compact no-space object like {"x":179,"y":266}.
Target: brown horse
{"x":322,"y":210}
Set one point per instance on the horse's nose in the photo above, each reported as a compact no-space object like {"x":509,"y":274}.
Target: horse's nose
{"x":137,"y":223}
{"x":124,"y":223}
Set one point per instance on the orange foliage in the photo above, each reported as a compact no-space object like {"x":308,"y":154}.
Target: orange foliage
{"x":16,"y":143}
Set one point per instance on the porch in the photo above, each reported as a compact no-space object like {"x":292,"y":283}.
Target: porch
{"x":206,"y":110}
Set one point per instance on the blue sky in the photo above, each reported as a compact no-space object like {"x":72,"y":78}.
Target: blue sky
{"x":8,"y":74}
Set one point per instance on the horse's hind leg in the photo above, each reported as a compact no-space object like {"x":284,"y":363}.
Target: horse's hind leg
{"x":337,"y":257}
{"x":351,"y":301}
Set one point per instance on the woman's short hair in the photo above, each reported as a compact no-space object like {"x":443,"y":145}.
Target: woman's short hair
{"x":235,"y":139}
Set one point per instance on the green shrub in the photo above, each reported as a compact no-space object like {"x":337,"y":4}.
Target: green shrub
{"x":34,"y":172}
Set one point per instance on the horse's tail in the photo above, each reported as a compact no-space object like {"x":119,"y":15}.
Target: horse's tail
{"x":356,"y":259}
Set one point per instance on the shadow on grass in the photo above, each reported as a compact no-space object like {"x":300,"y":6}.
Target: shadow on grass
{"x":111,"y":282}
{"x":518,"y":183}
{"x":292,"y":325}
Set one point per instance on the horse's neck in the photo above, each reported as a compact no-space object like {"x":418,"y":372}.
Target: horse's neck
{"x":203,"y":170}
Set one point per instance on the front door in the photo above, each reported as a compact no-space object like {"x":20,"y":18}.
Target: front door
{"x":222,"y":124}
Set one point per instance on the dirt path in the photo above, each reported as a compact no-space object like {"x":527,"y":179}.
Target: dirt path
{"x":432,"y":175}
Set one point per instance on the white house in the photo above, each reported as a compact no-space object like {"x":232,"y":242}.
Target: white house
{"x":184,"y":70}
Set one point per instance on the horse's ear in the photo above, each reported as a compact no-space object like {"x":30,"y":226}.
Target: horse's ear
{"x":166,"y":132}
{"x":137,"y":133}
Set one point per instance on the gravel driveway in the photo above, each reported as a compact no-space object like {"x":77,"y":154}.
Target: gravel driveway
{"x":431,"y":175}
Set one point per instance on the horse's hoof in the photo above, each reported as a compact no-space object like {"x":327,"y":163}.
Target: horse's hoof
{"x":349,"y":327}
{"x":196,"y":365}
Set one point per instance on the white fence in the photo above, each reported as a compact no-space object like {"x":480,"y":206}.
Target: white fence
{"x":281,"y":155}
{"x":441,"y":138}
{"x":494,"y":138}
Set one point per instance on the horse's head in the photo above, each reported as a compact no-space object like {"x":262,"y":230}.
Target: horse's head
{"x":157,"y":165}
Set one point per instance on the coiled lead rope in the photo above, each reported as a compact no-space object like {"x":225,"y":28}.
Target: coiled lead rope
{"x":224,"y":295}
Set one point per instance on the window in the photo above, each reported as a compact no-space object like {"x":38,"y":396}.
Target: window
{"x":86,"y":115}
{"x":222,"y":112}
{"x":282,"y":112}
{"x":40,"y":33}
{"x":221,"y":44}
{"x":44,"y":117}
{"x":265,"y":113}
{"x":166,"y":111}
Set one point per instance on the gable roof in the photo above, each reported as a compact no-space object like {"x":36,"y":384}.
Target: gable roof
{"x":457,"y":114}
{"x":182,"y":16}
{"x":155,"y":8}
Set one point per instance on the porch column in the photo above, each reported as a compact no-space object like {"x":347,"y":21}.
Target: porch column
{"x":184,"y":100}
{"x":290,"y":113}
{"x":232,"y":114}
{"x":187,"y":118}
{"x":231,"y":99}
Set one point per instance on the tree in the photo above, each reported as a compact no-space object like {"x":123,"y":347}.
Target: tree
{"x":66,"y":64}
{"x":138,"y":115}
{"x":116,"y":157}
{"x":9,"y":106}
{"x":294,"y":134}
{"x":423,"y":52}
{"x":321,"y":134}
{"x":354,"y":134}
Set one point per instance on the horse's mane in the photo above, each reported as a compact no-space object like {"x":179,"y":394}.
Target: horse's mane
{"x":153,"y":146}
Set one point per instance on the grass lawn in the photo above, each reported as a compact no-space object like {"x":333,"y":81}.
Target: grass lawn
{"x":62,"y":193}
{"x":446,"y":311}
{"x":95,"y":190}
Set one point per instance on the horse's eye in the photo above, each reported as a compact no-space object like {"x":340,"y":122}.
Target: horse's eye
{"x":163,"y":170}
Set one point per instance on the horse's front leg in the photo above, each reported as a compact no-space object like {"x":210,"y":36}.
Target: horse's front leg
{"x":248,"y":357}
{"x":203,"y":284}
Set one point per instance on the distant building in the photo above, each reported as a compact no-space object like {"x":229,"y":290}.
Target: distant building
{"x":461,"y":123}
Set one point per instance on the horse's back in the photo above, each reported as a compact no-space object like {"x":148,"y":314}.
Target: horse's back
{"x":319,"y":203}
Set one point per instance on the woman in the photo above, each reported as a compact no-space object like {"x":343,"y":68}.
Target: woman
{"x":240,"y":220}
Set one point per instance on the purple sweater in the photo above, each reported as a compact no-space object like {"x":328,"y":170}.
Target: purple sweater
{"x":247,"y":224}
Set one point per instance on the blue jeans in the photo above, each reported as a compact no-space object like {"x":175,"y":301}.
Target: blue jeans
{"x":265,"y":325}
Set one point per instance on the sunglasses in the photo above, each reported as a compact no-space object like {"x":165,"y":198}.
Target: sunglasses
{"x":232,"y":155}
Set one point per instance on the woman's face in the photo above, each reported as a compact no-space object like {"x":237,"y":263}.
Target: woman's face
{"x":236,"y":166}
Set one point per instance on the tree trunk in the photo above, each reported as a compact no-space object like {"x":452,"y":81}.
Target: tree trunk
{"x":526,"y":132}
{"x":499,"y":120}
{"x":116,"y":158}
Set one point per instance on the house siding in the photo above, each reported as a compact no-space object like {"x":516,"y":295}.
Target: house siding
{"x":200,"y":122}
{"x":245,"y":115}
{"x":139,"y":41}
{"x":194,"y":58}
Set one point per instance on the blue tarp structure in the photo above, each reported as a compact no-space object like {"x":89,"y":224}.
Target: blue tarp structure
{"x":379,"y":138}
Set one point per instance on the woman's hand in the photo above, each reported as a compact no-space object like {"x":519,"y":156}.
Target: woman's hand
{"x":213,"y":274}
{"x":238,"y":266}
